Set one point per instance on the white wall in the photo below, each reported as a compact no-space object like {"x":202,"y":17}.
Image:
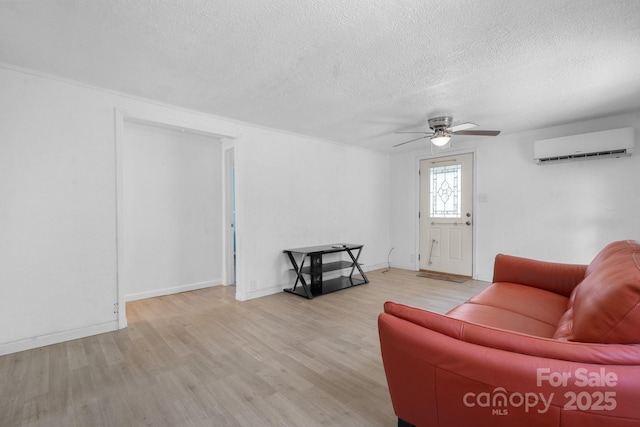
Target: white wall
{"x":294,"y":192}
{"x":61,"y":154}
{"x":57,"y":222}
{"x":563,"y":212}
{"x":172,"y":201}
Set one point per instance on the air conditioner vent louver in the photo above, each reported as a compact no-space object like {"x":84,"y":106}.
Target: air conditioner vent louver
{"x":600,"y":154}
{"x":596,"y":145}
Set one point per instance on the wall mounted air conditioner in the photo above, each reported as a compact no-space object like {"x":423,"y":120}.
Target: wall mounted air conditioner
{"x":595,"y":145}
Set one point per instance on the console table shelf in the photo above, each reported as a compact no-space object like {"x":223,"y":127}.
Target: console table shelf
{"x":330,"y":266}
{"x":317,"y":284}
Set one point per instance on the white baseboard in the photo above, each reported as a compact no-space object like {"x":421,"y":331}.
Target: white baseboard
{"x":404,"y":267}
{"x":373,"y":267}
{"x":55,"y":338}
{"x":277,"y":289}
{"x":264,"y":292}
{"x":173,"y":290}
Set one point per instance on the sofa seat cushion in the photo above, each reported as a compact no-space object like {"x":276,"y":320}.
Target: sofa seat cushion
{"x":535,"y":303}
{"x":515,"y":307}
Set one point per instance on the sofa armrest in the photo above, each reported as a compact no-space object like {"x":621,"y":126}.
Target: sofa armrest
{"x":439,"y":380}
{"x":551,"y":276}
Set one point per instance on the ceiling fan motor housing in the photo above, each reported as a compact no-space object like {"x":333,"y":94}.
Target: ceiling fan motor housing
{"x":440,"y":122}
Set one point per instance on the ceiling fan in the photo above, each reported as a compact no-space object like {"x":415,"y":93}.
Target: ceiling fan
{"x":442,"y":131}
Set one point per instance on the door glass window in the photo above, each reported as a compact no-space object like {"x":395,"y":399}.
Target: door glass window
{"x":445,"y":191}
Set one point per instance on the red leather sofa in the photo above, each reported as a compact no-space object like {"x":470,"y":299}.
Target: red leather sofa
{"x":546,"y":344}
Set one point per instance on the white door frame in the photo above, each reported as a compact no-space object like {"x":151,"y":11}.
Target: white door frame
{"x":447,"y":153}
{"x":163,"y":117}
{"x":228,"y":223}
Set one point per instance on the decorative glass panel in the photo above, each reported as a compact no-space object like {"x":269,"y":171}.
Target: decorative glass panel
{"x":445,"y":191}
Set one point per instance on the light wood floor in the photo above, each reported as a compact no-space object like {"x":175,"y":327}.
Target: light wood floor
{"x":202,"y":358}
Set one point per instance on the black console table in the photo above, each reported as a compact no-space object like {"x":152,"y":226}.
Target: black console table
{"x":315,"y":271}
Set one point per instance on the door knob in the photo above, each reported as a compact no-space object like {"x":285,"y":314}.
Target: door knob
{"x":468,"y":223}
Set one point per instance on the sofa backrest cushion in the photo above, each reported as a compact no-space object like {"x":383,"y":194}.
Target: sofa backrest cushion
{"x":516,"y":342}
{"x":605,"y":306}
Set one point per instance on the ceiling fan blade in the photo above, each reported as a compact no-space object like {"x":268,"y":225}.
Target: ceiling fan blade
{"x":401,"y":131}
{"x":462,"y":126}
{"x":406,"y":142}
{"x":478,"y":132}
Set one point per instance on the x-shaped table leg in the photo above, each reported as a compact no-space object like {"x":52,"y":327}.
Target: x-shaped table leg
{"x":300,"y":278}
{"x":356,"y":265}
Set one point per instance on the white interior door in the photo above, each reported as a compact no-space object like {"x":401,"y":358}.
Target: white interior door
{"x":446,"y":214}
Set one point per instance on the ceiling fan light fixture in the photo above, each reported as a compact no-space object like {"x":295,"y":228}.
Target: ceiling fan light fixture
{"x":440,"y":138}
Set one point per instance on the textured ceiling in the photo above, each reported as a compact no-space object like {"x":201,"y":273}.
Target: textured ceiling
{"x":353,"y":72}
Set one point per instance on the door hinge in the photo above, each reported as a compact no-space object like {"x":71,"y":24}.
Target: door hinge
{"x":419,"y":213}
{"x":418,"y":257}
{"x":116,"y":308}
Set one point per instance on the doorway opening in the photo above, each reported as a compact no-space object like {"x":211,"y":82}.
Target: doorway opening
{"x":168,"y":120}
